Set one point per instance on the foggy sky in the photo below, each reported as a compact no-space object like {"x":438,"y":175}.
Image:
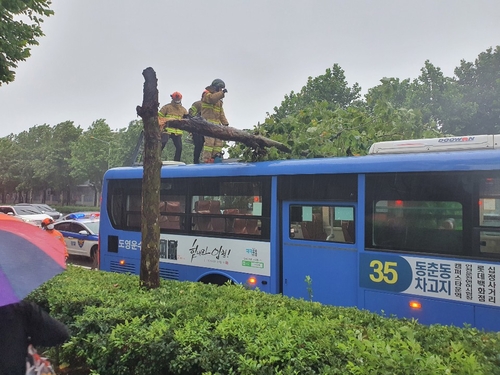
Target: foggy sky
{"x":89,"y":65}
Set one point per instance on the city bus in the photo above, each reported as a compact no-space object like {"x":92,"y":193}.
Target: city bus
{"x":411,"y":230}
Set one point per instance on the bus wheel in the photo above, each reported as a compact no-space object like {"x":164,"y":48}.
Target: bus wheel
{"x":94,"y":256}
{"x":215,"y":279}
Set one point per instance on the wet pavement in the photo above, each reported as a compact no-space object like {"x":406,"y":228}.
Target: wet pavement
{"x":81,"y":261}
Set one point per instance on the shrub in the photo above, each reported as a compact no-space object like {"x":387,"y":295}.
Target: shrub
{"x":193,"y":328}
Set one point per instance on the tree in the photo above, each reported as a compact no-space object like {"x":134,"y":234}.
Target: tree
{"x":126,"y":141}
{"x":17,"y":35}
{"x":64,"y":138}
{"x":8,"y":179}
{"x":439,"y":99}
{"x":330,"y":87}
{"x":150,"y":228}
{"x":306,"y":122}
{"x":462,"y":105}
{"x":391,"y":90}
{"x":90,"y":156}
{"x":326,"y":119}
{"x":479,"y":83}
{"x":32,"y":149}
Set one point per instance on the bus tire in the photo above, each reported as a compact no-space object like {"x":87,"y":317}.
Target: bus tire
{"x":215,"y":279}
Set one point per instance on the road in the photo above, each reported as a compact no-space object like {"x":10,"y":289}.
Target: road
{"x":80,"y":261}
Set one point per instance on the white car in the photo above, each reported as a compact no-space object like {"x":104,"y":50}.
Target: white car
{"x":81,"y":237}
{"x":45,"y":209}
{"x":29,"y":214}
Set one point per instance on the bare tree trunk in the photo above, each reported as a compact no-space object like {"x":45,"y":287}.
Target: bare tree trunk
{"x":150,"y":229}
{"x":226,"y":133}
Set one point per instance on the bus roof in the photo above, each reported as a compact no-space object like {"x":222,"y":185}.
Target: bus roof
{"x":419,"y":162}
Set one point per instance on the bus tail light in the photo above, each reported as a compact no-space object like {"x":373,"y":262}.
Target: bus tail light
{"x":415,"y":305}
{"x":122,"y":262}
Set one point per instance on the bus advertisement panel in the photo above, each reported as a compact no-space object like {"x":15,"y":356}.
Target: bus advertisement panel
{"x":217,"y":253}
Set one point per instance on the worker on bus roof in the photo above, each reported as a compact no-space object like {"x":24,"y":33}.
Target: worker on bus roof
{"x":198,"y":139}
{"x":212,"y":111}
{"x":172,"y":111}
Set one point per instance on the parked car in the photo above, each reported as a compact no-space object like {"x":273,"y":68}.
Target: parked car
{"x":29,"y":214}
{"x":81,"y":236}
{"x":45,"y":208}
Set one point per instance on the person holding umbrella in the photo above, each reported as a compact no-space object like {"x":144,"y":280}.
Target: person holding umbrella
{"x":21,"y":324}
{"x":28,"y":258}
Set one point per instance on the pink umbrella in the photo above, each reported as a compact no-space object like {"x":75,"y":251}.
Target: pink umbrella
{"x":28,"y":258}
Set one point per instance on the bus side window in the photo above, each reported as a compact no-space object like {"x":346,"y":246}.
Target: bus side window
{"x":202,"y":207}
{"x":167,"y":219}
{"x":201,"y":223}
{"x":348,"y":231}
{"x":418,"y":226}
{"x":253,"y":226}
{"x":489,"y":216}
{"x":322,"y":223}
{"x":134,"y":220}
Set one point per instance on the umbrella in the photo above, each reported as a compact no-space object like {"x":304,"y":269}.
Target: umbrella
{"x":28,"y":258}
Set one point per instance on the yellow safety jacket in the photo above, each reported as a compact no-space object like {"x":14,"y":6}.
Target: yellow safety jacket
{"x":172,"y":111}
{"x":211,"y":107}
{"x":195,"y":109}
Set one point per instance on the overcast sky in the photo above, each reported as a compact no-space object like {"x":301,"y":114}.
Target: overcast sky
{"x":89,"y":65}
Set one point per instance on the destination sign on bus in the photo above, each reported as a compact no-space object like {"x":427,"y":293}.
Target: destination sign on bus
{"x":448,"y":279}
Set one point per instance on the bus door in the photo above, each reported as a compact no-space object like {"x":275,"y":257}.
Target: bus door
{"x":319,"y":252}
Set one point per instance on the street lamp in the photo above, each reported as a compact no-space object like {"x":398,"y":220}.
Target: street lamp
{"x":109,"y":147}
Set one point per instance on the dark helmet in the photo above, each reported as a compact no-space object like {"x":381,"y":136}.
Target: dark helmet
{"x":218,"y":84}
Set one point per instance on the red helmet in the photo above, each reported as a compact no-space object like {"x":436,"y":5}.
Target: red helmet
{"x":176,"y":95}
{"x":47,"y":221}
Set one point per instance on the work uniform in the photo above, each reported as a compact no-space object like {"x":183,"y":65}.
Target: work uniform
{"x":212,"y":111}
{"x":198,"y":139}
{"x":56,"y":234}
{"x":172,"y":111}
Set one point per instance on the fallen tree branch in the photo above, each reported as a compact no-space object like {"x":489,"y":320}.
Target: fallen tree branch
{"x":199,"y":125}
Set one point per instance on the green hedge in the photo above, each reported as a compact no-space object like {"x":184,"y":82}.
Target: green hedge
{"x":193,"y":328}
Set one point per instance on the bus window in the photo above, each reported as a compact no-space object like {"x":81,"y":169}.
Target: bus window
{"x":133,"y":211}
{"x":489,"y":216}
{"x":234,"y":207}
{"x":172,"y":209}
{"x":419,"y":212}
{"x":423,"y":226}
{"x":322,"y":223}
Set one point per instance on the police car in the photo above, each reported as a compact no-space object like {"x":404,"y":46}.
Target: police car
{"x":81,"y":234}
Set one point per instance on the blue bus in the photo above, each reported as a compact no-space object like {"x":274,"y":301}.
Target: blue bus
{"x":406,"y":231}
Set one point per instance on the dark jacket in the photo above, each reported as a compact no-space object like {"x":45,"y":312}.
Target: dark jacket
{"x":21,"y":321}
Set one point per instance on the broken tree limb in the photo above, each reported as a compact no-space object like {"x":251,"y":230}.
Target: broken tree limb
{"x":199,"y":125}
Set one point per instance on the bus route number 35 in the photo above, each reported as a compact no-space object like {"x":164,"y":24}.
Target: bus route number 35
{"x":383,"y":272}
